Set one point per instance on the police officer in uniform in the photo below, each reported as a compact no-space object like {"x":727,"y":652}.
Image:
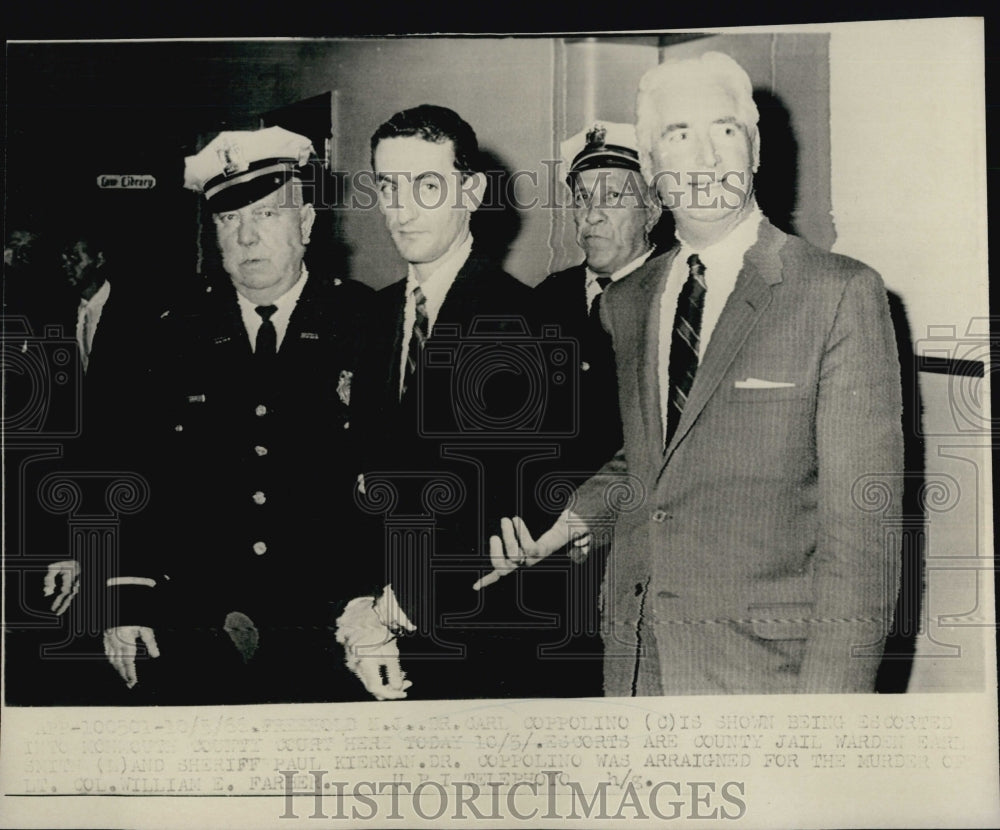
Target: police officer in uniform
{"x":615,"y":214}
{"x":234,"y":584}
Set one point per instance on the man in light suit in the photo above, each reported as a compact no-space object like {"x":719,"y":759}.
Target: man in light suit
{"x":760,"y":395}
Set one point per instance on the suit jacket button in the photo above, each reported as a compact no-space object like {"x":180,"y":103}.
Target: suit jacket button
{"x":259,"y":497}
{"x":179,"y":428}
{"x":260,"y":548}
{"x":260,"y":410}
{"x":347,"y":424}
{"x":660,"y":516}
{"x":260,"y":450}
{"x":584,"y":366}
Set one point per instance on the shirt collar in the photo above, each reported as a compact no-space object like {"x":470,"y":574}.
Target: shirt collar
{"x":99,"y":298}
{"x":624,"y":271}
{"x":442,"y":276}
{"x":728,"y":252}
{"x":287,"y":300}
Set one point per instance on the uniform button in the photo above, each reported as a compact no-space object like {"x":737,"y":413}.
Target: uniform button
{"x":584,"y":366}
{"x":347,"y":424}
{"x":260,"y":450}
{"x":660,"y":516}
{"x":260,"y":548}
{"x":260,"y":410}
{"x":178,"y":427}
{"x":259,"y":497}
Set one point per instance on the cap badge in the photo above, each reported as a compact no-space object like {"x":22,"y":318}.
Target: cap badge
{"x":596,"y":135}
{"x":232,"y":160}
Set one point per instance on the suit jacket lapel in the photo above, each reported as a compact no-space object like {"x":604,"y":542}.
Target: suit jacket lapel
{"x":461,"y":302}
{"x":748,"y":301}
{"x":396,"y":309}
{"x":649,"y":290}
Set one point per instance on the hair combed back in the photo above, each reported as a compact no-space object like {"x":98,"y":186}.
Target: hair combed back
{"x":436,"y":125}
{"x":710,"y":67}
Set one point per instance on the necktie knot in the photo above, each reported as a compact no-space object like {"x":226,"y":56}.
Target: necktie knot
{"x":696,"y":268}
{"x":604,"y":282}
{"x":419,"y":335}
{"x":265,"y":311}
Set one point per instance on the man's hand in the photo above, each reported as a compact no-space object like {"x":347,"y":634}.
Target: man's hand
{"x":370,"y":650}
{"x":120,"y":647}
{"x":67,"y":574}
{"x":515,"y":547}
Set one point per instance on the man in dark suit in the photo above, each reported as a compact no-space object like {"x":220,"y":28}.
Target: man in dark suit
{"x":252,"y":457}
{"x":614,"y":212}
{"x":452,"y":401}
{"x":760,"y":395}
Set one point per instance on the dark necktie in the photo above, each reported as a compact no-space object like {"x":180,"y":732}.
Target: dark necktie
{"x":595,"y":307}
{"x":267,"y":336}
{"x":421,"y":326}
{"x":684,"y":343}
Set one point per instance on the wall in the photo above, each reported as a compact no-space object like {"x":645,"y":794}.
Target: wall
{"x":872,"y":147}
{"x":503,"y":88}
{"x":789,"y":72}
{"x":522,"y":96}
{"x":909,"y":181}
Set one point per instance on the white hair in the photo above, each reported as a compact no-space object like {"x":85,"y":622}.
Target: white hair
{"x":711,"y":66}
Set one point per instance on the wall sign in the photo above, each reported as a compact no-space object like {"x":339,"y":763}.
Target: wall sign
{"x":119,"y":181}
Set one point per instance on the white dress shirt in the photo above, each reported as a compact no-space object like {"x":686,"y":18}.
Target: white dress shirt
{"x":88,"y":315}
{"x":286,"y":303}
{"x":435,"y":287}
{"x":593,"y":287}
{"x":723,"y":262}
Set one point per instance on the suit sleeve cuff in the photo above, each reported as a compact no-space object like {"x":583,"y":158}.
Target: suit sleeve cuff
{"x":390,"y":613}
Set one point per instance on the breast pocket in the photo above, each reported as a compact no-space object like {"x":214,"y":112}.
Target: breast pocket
{"x":749,"y":394}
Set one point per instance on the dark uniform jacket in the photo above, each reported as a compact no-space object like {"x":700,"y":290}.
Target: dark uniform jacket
{"x":463,"y":447}
{"x":596,"y":438}
{"x":251,"y":469}
{"x":562,"y":297}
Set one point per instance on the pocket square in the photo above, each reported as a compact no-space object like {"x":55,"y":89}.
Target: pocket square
{"x":757,"y":383}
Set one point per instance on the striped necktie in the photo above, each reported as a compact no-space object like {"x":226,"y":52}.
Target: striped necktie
{"x":421,"y":327}
{"x":684,"y":343}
